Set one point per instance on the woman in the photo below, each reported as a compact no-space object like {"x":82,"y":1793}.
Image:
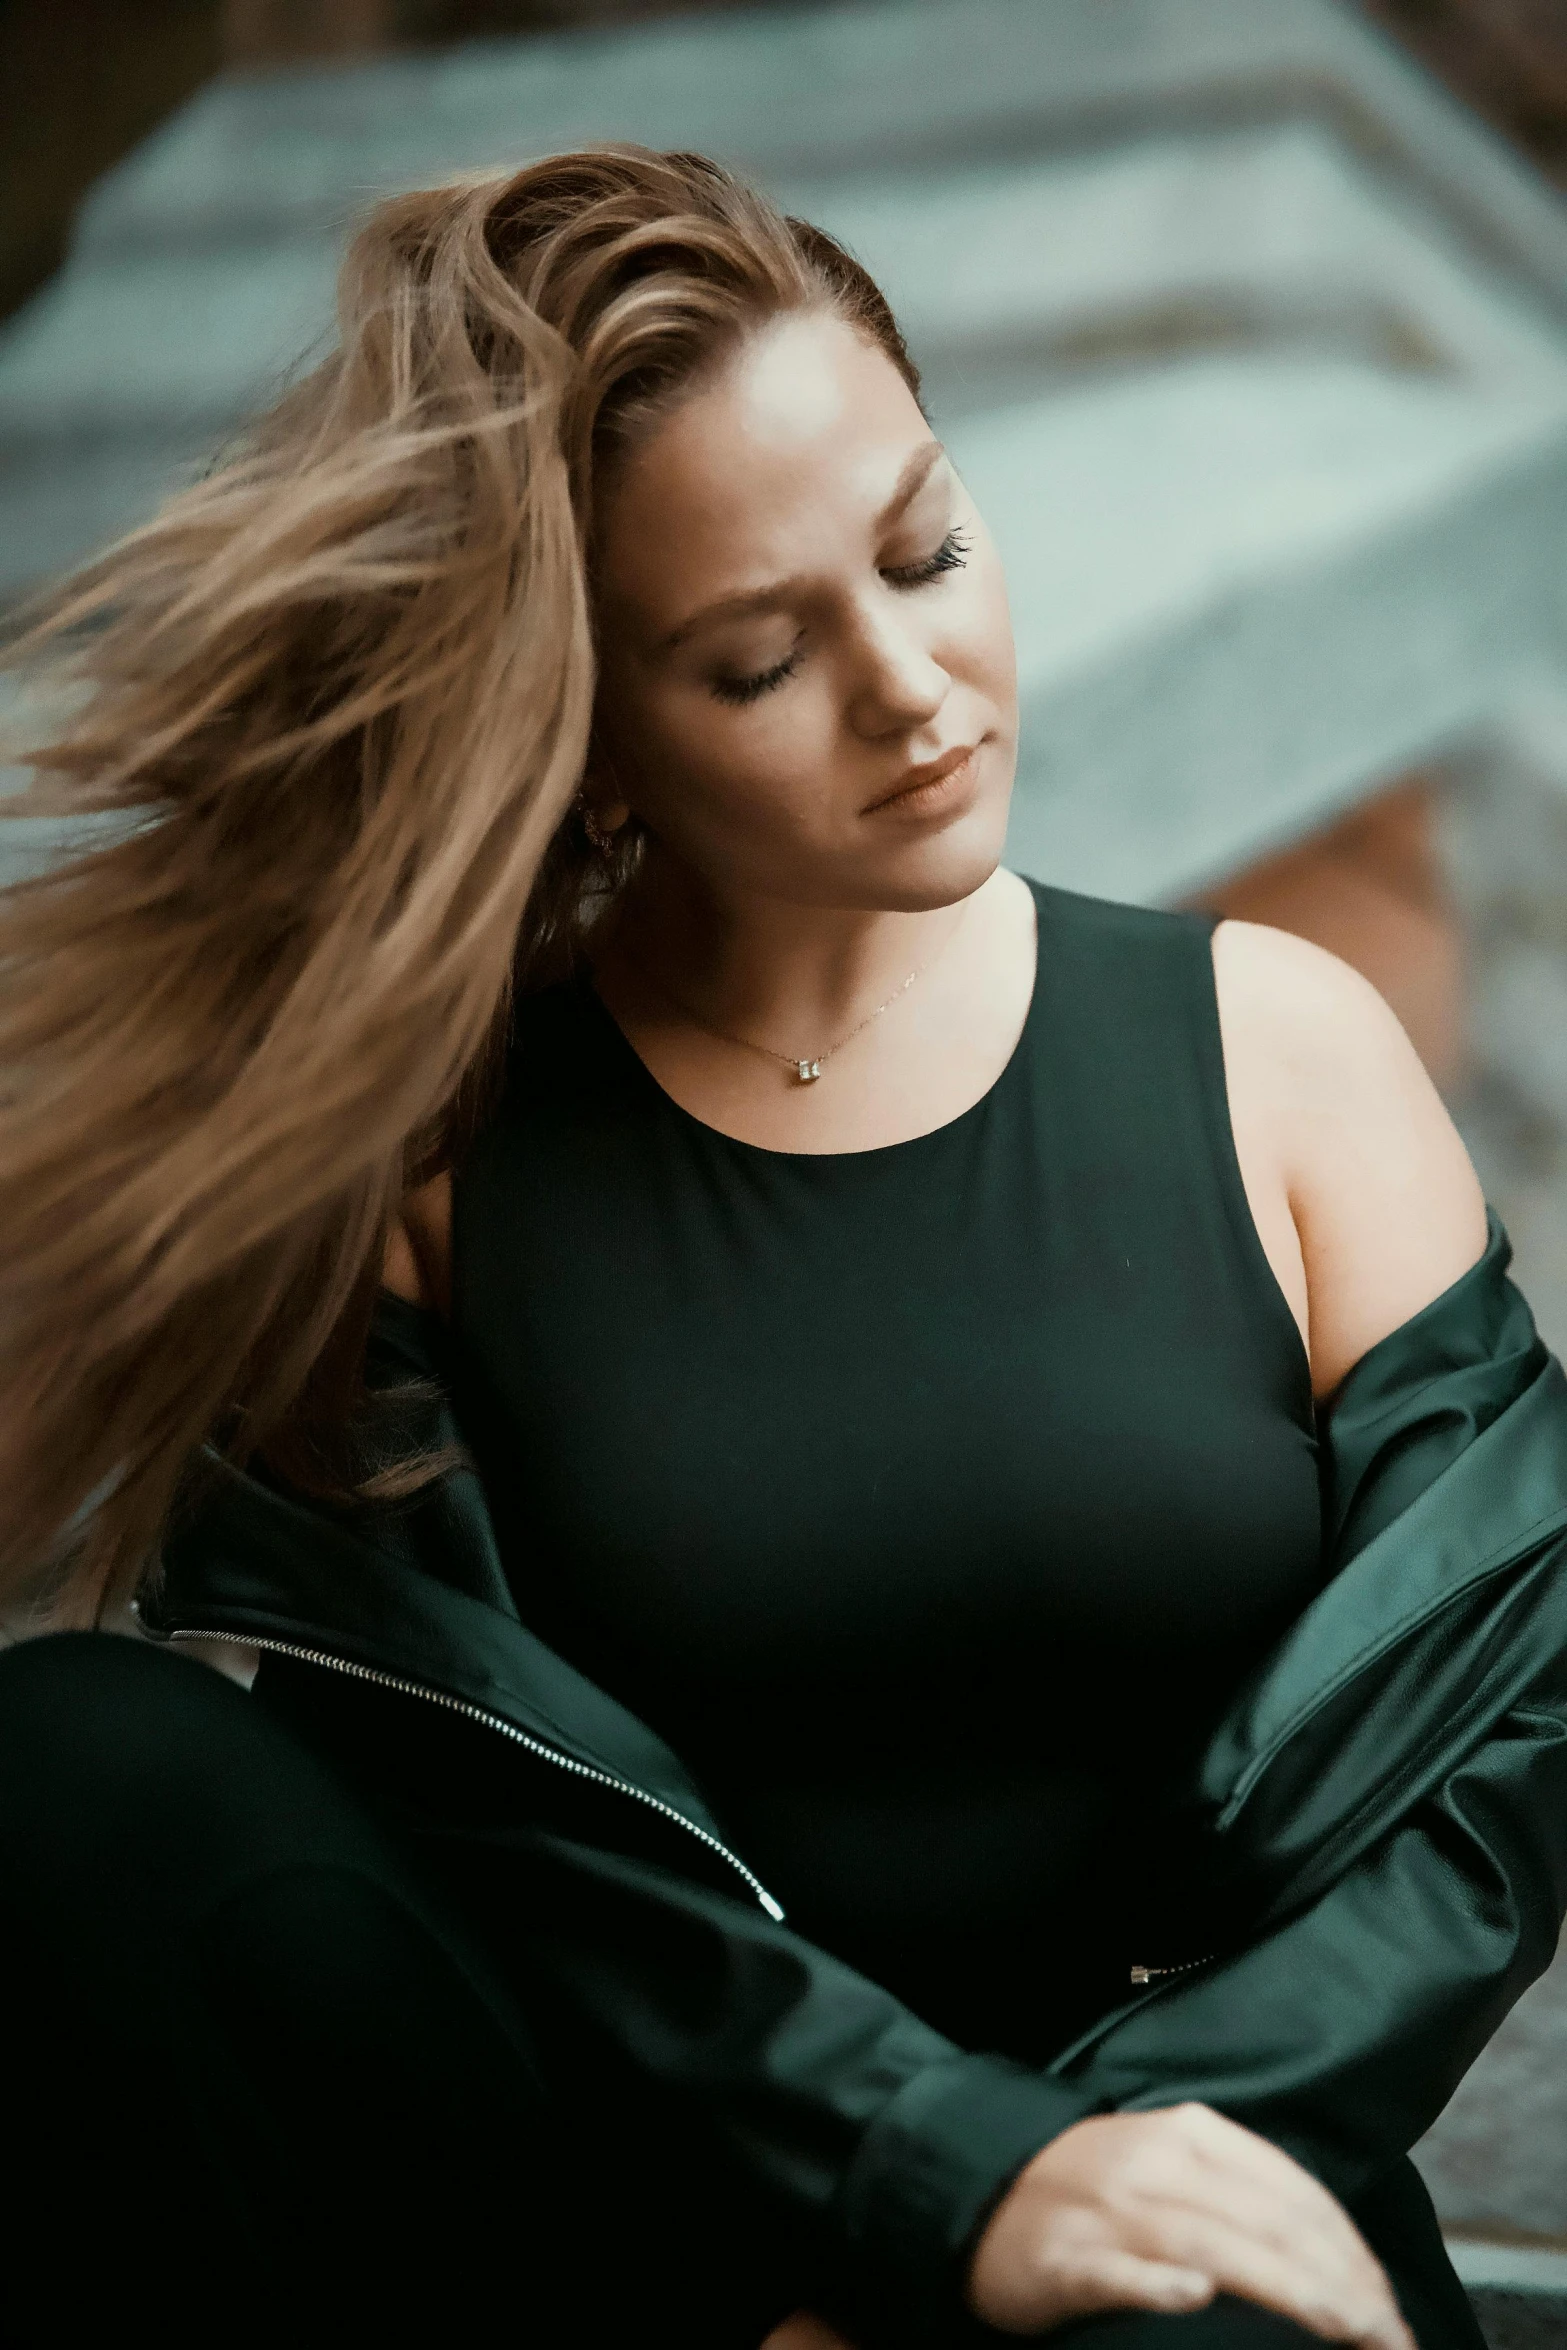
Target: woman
{"x":885,"y":1302}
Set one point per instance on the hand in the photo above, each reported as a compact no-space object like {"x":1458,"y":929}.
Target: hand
{"x":805,"y":2332}
{"x":1164,"y":2210}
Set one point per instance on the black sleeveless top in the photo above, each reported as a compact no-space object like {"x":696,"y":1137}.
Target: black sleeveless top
{"x":931,"y":1501}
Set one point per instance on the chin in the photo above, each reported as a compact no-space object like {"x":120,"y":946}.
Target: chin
{"x":946,"y":865}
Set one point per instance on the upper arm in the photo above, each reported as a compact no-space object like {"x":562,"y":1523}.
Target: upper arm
{"x":418,"y":1261}
{"x":1336,"y":1119}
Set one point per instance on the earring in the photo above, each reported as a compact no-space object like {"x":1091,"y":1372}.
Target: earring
{"x":602,"y":840}
{"x":601,"y":835}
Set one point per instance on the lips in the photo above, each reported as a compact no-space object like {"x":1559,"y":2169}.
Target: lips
{"x":924,"y":781}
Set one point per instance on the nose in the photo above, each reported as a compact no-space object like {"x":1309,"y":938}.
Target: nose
{"x":896,"y":683}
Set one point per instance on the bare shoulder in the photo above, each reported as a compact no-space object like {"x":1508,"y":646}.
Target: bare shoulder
{"x":1325,"y":1085}
{"x":1304,"y":1000}
{"x":418,"y":1261}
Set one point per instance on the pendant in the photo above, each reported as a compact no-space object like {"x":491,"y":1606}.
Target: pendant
{"x":808,"y":1071}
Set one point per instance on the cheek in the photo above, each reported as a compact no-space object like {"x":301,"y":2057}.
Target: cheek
{"x":987,"y":649}
{"x":693,"y":766}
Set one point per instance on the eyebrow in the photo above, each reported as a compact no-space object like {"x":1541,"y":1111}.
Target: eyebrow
{"x":916,"y":472}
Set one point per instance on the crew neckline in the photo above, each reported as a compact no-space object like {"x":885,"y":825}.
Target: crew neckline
{"x":879,"y":1150}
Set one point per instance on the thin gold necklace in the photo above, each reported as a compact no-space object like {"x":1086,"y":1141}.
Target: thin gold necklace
{"x":807,"y":1067}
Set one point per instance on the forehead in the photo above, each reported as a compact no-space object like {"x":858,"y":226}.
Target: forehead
{"x":791,"y":449}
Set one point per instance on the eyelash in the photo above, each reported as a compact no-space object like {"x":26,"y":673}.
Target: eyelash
{"x":737,"y":691}
{"x":951,"y":555}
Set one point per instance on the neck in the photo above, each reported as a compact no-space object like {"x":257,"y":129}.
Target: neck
{"x":774,"y":966}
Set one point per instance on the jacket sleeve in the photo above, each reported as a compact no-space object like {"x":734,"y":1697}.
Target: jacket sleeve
{"x":1413,"y":1405}
{"x":765,"y":2070}
{"x":1391,"y":1798}
{"x":853,"y":2123}
{"x":1342,"y":2034}
{"x":799,"y":2104}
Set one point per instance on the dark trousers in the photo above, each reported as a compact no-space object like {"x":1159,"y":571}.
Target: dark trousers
{"x":260,"y":2080}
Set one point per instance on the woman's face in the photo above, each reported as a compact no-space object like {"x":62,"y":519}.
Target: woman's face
{"x":808,"y":689}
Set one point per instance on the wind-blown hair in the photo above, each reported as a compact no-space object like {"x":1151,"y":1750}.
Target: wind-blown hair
{"x":336,"y":701}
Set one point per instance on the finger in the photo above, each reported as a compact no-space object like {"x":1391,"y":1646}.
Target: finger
{"x":1269,"y":2196}
{"x":1317,"y":2237}
{"x":1335,"y":2309}
{"x":805,"y":2331}
{"x":1111,"y":2279}
{"x":1253,"y":2164}
{"x":1324,"y":2273}
{"x":1237,"y":2207}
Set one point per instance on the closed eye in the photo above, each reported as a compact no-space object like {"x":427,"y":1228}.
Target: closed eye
{"x":739,"y":690}
{"x":951,"y":555}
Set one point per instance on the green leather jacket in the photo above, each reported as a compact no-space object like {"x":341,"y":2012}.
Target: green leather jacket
{"x":1385,"y":1812}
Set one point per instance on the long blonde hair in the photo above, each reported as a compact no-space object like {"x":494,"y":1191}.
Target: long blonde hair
{"x":335,"y":701}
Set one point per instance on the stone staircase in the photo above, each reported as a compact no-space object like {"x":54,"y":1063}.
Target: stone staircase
{"x":1253,"y":344}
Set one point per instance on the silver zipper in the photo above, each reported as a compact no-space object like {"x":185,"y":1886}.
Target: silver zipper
{"x":477,"y":1713}
{"x":1154,"y":1974}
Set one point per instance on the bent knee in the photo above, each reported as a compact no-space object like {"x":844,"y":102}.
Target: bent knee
{"x":132,"y":1771}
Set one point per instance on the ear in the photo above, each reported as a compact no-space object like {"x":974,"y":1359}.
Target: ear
{"x":600,"y":793}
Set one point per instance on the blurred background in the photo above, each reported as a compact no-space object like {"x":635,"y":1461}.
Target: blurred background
{"x":1247,"y":320}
